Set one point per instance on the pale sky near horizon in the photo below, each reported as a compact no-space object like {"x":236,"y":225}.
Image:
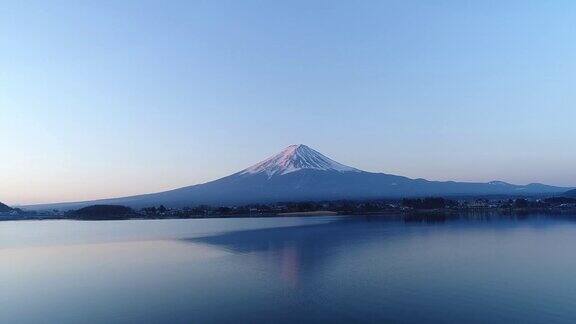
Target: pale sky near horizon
{"x":110,"y":98}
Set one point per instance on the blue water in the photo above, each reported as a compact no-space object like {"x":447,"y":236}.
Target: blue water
{"x":274,"y":270}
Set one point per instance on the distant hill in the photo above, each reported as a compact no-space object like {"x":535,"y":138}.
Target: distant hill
{"x":299,"y":173}
{"x":4,"y":208}
{"x":571,"y":193}
{"x":100,"y":212}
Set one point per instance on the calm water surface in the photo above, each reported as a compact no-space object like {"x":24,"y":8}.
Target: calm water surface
{"x":320,"y":269}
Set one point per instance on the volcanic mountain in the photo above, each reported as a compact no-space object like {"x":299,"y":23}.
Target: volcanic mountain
{"x":301,"y":173}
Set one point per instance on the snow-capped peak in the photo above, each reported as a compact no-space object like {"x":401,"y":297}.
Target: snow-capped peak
{"x":295,"y":158}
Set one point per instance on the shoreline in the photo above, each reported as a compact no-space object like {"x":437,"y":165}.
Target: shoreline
{"x":433,"y":213}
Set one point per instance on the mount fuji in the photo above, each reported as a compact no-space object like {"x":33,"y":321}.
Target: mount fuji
{"x":296,"y":158}
{"x":300,"y":173}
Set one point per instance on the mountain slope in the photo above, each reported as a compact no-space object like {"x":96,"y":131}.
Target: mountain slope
{"x":4,"y":208}
{"x":295,"y":158}
{"x":301,"y":173}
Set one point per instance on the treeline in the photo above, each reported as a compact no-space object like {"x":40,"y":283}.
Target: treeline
{"x":353,"y":207}
{"x":429,"y":203}
{"x":345,"y":207}
{"x":104,"y":212}
{"x":340,"y":206}
{"x":552,"y":202}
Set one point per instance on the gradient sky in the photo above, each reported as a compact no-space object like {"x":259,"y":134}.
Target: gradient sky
{"x":109,"y":98}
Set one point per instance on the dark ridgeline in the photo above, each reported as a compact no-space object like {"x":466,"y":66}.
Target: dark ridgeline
{"x":571,"y":193}
{"x":5,"y":208}
{"x":104,"y":212}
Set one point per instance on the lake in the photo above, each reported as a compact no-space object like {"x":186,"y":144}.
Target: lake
{"x":484,"y":269}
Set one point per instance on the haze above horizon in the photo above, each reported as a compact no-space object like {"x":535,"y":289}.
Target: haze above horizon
{"x":103,"y":100}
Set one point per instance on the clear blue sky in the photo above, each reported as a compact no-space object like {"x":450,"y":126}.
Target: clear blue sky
{"x":108,"y":98}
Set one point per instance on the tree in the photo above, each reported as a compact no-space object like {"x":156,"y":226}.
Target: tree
{"x":521,"y":203}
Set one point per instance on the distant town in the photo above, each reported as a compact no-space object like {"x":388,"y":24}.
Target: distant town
{"x":428,"y":205}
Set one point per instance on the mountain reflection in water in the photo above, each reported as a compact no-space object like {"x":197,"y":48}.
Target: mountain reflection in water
{"x":300,"y":250}
{"x":417,"y":269}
